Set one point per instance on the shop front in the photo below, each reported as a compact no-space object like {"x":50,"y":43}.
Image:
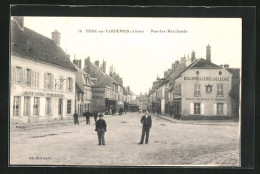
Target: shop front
{"x":34,"y":106}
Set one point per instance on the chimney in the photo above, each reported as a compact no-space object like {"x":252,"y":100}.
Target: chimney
{"x":114,"y":75}
{"x":56,"y":37}
{"x":165,"y":73}
{"x":87,"y":61}
{"x":193,"y":56}
{"x":97,"y":63}
{"x":104,"y":64}
{"x":111,"y":70}
{"x":20,"y":21}
{"x":80,"y":63}
{"x":117,"y":77}
{"x":208,"y":53}
{"x":173,"y":66}
{"x":177,"y":62}
{"x":87,"y":64}
{"x":183,"y":59}
{"x":226,"y":66}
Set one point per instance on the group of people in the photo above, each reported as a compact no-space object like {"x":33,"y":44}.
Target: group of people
{"x":101,"y":126}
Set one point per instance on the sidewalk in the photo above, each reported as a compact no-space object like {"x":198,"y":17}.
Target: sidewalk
{"x":70,"y":120}
{"x":198,"y":122}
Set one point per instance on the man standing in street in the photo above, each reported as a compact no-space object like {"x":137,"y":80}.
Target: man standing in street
{"x":147,"y":124}
{"x":95,"y":116}
{"x":87,"y":117}
{"x":101,"y":128}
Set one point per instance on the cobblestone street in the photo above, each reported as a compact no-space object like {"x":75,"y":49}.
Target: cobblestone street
{"x":171,"y":143}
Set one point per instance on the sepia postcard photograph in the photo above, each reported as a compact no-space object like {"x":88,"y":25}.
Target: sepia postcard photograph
{"x":125,"y":91}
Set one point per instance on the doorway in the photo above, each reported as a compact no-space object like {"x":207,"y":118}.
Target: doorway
{"x":60,"y":109}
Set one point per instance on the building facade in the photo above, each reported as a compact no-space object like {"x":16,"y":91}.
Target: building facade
{"x":42,"y":77}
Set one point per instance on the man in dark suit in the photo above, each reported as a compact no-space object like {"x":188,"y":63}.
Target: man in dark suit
{"x":147,"y":124}
{"x":87,"y":115}
{"x":101,"y":128}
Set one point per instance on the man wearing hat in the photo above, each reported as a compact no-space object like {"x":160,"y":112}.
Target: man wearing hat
{"x":147,"y":124}
{"x":101,"y":128}
{"x":87,"y":115}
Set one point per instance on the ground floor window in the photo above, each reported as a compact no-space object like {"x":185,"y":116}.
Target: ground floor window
{"x":68,"y":106}
{"x":196,"y":108}
{"x":16,"y":106}
{"x":36,"y":106}
{"x":27,"y":105}
{"x":220,"y":108}
{"x":48,"y":106}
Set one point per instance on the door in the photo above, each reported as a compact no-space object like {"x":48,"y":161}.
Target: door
{"x":60,"y":109}
{"x":27,"y":106}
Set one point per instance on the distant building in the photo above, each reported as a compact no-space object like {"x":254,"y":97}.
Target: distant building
{"x":107,"y":92}
{"x":196,"y":87}
{"x":42,"y":76}
{"x":83,"y":97}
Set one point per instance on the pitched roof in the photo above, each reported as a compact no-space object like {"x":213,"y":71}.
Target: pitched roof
{"x":236,"y":74}
{"x":197,"y":64}
{"x":32,"y":45}
{"x":102,"y":78}
{"x":235,"y":88}
{"x":203,"y":63}
{"x":78,"y":88}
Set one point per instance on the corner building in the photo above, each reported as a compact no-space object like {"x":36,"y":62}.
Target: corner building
{"x":42,"y":81}
{"x":203,"y":89}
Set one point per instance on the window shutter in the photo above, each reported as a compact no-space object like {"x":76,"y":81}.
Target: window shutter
{"x":32,"y":78}
{"x":215,"y":109}
{"x":23,"y":76}
{"x":225,"y":109}
{"x":37,"y":79}
{"x":67,"y":84}
{"x":45,"y":80}
{"x":191,"y":108}
{"x":13,"y":74}
{"x":52,"y":78}
{"x":71,"y":84}
{"x":202,"y":109}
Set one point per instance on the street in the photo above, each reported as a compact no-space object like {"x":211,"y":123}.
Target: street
{"x":170,"y":143}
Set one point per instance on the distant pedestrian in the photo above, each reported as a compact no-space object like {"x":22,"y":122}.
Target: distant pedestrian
{"x":87,"y":115}
{"x":76,"y":116}
{"x":101,"y":128}
{"x":95,"y":116}
{"x":147,"y":124}
{"x":110,"y":111}
{"x":120,"y":111}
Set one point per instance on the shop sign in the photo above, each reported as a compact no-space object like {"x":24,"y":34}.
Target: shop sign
{"x":40,"y":94}
{"x":206,"y":99}
{"x":208,"y":78}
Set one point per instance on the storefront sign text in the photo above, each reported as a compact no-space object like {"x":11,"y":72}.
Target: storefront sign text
{"x":208,"y":78}
{"x":40,"y":94}
{"x":206,"y":99}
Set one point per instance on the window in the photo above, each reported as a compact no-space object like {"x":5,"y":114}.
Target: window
{"x":18,"y":75}
{"x":16,"y":106}
{"x":220,"y":90}
{"x":78,"y":96}
{"x":27,"y":106}
{"x":220,"y":108}
{"x":36,"y":106}
{"x":28,"y":77}
{"x":48,"y":106}
{"x":196,"y":108}
{"x":68,"y":106}
{"x":69,"y":84}
{"x":196,"y":89}
{"x":48,"y":81}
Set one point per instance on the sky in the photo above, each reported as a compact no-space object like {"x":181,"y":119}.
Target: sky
{"x":139,"y":57}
